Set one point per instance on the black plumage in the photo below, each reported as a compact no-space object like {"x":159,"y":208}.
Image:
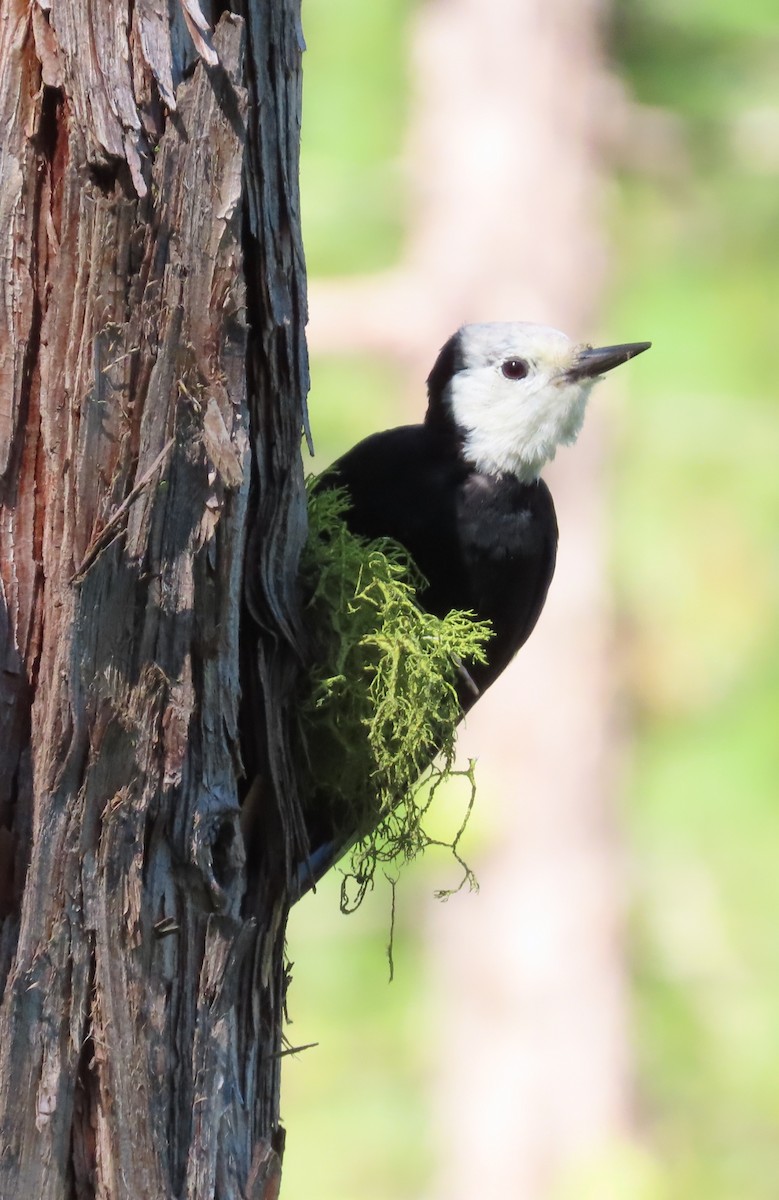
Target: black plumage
{"x":484,"y":543}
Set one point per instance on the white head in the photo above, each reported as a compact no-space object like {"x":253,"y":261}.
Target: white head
{"x":515,"y":392}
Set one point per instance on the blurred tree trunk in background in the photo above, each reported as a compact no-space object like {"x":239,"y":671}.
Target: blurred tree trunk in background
{"x":151,"y":359}
{"x":534,"y":1063}
{"x":532,"y":978}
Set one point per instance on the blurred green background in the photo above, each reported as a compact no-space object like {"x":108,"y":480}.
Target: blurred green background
{"x":694,"y":504}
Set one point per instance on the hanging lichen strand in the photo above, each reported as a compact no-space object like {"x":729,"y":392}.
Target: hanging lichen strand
{"x":377,"y":723}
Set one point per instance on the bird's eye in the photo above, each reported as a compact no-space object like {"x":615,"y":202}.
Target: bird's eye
{"x":515,"y":368}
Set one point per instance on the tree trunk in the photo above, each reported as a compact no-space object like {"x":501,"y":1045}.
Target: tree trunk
{"x":152,"y":383}
{"x":531,"y":986}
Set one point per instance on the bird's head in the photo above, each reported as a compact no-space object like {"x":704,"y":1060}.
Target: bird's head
{"x":513,"y":392}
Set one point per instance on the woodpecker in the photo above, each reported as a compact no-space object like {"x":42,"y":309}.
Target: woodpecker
{"x":462,"y":492}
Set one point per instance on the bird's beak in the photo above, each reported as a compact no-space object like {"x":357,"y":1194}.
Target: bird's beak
{"x":594,"y":361}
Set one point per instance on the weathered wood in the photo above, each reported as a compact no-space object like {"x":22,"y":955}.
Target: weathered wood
{"x":141,"y":186}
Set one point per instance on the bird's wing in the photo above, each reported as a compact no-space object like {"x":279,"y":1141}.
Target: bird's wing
{"x":508,"y":534}
{"x":402,"y":487}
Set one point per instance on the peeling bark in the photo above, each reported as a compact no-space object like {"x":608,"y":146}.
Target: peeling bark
{"x":152,"y":365}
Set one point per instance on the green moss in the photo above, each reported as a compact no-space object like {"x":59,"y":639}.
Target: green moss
{"x":381,"y":709}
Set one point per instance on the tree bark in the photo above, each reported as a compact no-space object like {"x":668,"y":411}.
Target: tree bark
{"x":152,"y":388}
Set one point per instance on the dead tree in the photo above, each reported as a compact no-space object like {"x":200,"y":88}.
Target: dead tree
{"x":152,"y":383}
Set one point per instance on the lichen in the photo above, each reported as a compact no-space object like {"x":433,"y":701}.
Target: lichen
{"x":377,"y":721}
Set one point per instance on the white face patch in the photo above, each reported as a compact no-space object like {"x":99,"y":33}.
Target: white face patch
{"x":514,"y":425}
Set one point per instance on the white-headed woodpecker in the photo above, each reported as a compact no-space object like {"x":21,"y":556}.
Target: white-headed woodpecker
{"x":462,"y":492}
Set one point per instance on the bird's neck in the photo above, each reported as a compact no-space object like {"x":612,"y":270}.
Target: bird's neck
{"x":500,"y":436}
{"x":487,"y":455}
{"x":440,"y":424}
{"x":491,"y":456}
